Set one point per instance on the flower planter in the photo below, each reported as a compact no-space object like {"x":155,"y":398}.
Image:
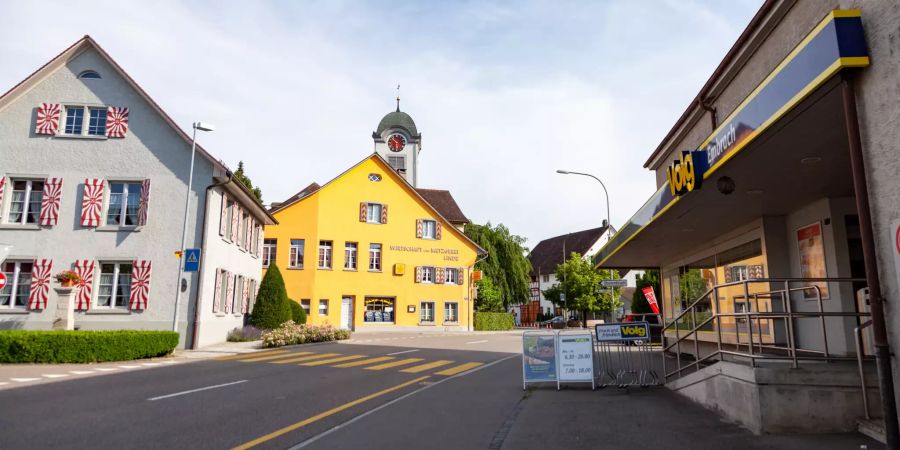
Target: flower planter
{"x":67,"y":283}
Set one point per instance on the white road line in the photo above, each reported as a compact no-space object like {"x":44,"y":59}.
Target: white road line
{"x":404,"y":351}
{"x":171,"y":361}
{"x":24,"y":380}
{"x":150,"y":364}
{"x":3,"y":382}
{"x":81,"y":372}
{"x":55,"y":375}
{"x":195,"y":390}
{"x":477,"y":342}
{"x":129,"y":367}
{"x":106,"y":369}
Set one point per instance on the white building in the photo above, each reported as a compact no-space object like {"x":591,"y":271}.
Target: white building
{"x":93,"y":176}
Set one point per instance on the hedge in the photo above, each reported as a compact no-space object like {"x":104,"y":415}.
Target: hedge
{"x":493,"y":321}
{"x":64,"y":346}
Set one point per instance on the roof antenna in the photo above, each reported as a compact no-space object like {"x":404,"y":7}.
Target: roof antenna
{"x":398,"y":98}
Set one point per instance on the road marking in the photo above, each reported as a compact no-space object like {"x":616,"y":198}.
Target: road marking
{"x":365,"y":361}
{"x":424,"y":367}
{"x":150,"y":364}
{"x":304,"y":358}
{"x":322,"y":362}
{"x":396,"y":400}
{"x":24,"y":380}
{"x":55,"y":375}
{"x":106,"y":369}
{"x":477,"y":342}
{"x":81,"y":372}
{"x":3,"y":383}
{"x":459,"y":369}
{"x":404,"y":351}
{"x":402,"y":362}
{"x":325,"y":414}
{"x":171,"y":361}
{"x":278,"y":356}
{"x":195,"y":390}
{"x":129,"y":367}
{"x":248,"y":355}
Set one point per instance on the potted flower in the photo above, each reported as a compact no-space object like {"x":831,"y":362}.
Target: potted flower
{"x":67,"y":278}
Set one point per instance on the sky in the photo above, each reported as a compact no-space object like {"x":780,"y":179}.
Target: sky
{"x":504,"y":93}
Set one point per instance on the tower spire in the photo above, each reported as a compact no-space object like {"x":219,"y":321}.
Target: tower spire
{"x":398,"y":98}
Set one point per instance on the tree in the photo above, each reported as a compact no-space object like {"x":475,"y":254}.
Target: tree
{"x":272,"y":308}
{"x":506,"y":264}
{"x":489,"y":299}
{"x":298,"y":314}
{"x":639,"y":304}
{"x":243,"y":178}
{"x":581,"y":285}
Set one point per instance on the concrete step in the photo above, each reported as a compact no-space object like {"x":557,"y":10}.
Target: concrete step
{"x":873,"y":428}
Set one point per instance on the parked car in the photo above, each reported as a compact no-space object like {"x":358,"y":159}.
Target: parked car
{"x":653,"y":320}
{"x":557,"y":319}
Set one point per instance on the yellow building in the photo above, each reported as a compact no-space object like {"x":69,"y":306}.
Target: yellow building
{"x":367,"y":250}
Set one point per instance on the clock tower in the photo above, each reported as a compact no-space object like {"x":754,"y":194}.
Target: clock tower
{"x":399,"y":142}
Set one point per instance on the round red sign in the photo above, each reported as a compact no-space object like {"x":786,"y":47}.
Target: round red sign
{"x":897,"y":239}
{"x":2,"y":280}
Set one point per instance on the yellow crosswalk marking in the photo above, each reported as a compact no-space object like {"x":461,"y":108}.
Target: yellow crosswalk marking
{"x":267,"y":357}
{"x":428,"y":366}
{"x":366,"y":361}
{"x":322,"y":362}
{"x":459,"y":369}
{"x":402,"y":362}
{"x":249,"y":355}
{"x":304,"y":358}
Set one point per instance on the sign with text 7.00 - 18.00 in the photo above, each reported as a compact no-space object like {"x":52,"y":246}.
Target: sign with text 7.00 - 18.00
{"x":576,"y":357}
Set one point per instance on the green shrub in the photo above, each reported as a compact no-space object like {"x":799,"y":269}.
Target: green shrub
{"x":246,"y":334}
{"x":271,"y":308}
{"x":291,"y":333}
{"x":64,"y":346}
{"x":493,"y":321}
{"x":298,"y":314}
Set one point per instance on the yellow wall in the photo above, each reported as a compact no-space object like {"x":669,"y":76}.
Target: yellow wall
{"x":332,"y":213}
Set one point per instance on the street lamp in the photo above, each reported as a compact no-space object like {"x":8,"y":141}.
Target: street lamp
{"x":187,"y":204}
{"x":567,"y":172}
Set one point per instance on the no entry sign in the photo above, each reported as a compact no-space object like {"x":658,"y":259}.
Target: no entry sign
{"x":2,"y":280}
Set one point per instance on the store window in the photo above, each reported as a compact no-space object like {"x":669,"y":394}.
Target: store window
{"x":296,"y":256}
{"x":325,"y":252}
{"x":18,"y":284}
{"x":350,"y":255}
{"x":379,"y":310}
{"x":451,"y":312}
{"x":269,"y":250}
{"x":323,"y":307}
{"x":426,"y":312}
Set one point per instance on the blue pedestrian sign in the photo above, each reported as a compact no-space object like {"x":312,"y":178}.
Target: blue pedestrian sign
{"x":191,"y":259}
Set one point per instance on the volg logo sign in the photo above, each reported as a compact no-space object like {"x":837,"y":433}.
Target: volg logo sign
{"x":686,"y":173}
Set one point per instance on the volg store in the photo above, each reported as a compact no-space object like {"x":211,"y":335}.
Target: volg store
{"x":772,"y":212}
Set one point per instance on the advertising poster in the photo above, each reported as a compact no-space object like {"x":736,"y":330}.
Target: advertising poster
{"x":812,"y":258}
{"x":576,"y":358}
{"x":539,"y":357}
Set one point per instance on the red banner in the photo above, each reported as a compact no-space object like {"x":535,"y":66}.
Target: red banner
{"x":651,"y":298}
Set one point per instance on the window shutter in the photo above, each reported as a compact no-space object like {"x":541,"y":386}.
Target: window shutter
{"x":254,"y":294}
{"x":218,"y":292}
{"x":85,"y":269}
{"x":459,"y":276}
{"x":259,"y":239}
{"x":245,"y":296}
{"x":144,"y":208}
{"x":140,"y":284}
{"x":235,"y":213}
{"x":47,"y":118}
{"x":363,"y":211}
{"x":50,"y":202}
{"x":92,"y":202}
{"x":439,"y":275}
{"x":116,"y":122}
{"x":728,"y":274}
{"x":223,"y":225}
{"x":40,"y":284}
{"x":418,"y":274}
{"x":384,"y":209}
{"x":229,"y":291}
{"x":419,"y":228}
{"x":2,"y":185}
{"x":437,"y":230}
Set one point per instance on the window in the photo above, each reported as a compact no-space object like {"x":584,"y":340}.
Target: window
{"x":97,"y":122}
{"x":375,"y":257}
{"x":222,"y":299}
{"x":428,"y":274}
{"x":350,"y":255}
{"x":452,"y":275}
{"x":74,"y":119}
{"x":304,"y":303}
{"x":25,"y":206}
{"x":546,"y":278}
{"x":238,"y":295}
{"x":373,"y":212}
{"x":428,"y":229}
{"x":18,"y":284}
{"x":374,"y":177}
{"x":426,"y":312}
{"x":397,"y":162}
{"x":269,"y":250}
{"x":89,"y":74}
{"x":379,"y":310}
{"x":738,"y":273}
{"x":325,"y":254}
{"x":451,"y":312}
{"x":229,"y":222}
{"x":296,"y":257}
{"x":124,"y":201}
{"x":115,"y":285}
{"x":323,"y":307}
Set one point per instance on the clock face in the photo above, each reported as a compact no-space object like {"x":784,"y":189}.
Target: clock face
{"x":396,"y":142}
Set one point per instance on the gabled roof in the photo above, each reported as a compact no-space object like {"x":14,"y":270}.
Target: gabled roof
{"x":551,"y":252}
{"x":443,"y":201}
{"x":305,"y":192}
{"x":389,"y":171}
{"x":74,"y":50}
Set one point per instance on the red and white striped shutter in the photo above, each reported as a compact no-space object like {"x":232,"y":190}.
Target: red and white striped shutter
{"x":459,"y":276}
{"x":437,"y":230}
{"x":50,"y":202}
{"x":235,"y":214}
{"x":144,"y":208}
{"x":85,"y":269}
{"x":229,"y":291}
{"x":439,"y":275}
{"x":92,"y":202}
{"x":420,"y":224}
{"x":384,"y":209}
{"x":218,"y":292}
{"x":2,"y":186}
{"x":40,"y":284}
{"x":223,"y":225}
{"x":418,"y":274}
{"x":47,"y":118}
{"x":116,"y":122}
{"x":245,"y":296}
{"x":259,"y":240}
{"x":140,"y":284}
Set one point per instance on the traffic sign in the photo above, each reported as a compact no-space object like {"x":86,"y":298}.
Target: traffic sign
{"x":614,"y":283}
{"x":191,"y":259}
{"x":2,"y":280}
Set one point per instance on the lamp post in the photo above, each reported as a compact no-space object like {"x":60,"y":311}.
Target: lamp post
{"x":187,"y":204}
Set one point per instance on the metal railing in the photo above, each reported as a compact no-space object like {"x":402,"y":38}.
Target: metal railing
{"x":760,"y":346}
